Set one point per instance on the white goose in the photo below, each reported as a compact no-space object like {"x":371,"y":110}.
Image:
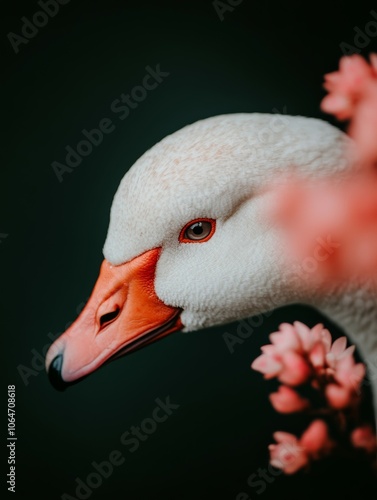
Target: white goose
{"x":191,"y":244}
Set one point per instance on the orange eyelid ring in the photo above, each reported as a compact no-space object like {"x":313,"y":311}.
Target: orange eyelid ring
{"x":184,"y":239}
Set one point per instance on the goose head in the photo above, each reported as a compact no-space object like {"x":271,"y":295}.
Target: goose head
{"x":190,"y":242}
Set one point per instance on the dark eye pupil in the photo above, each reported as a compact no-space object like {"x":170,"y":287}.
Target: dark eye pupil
{"x":197,"y":228}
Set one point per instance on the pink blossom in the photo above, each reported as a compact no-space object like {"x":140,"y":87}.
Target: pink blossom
{"x":291,"y":454}
{"x":364,"y":437}
{"x":348,"y":377}
{"x":339,"y":351}
{"x":349,"y":374}
{"x":364,"y":125}
{"x":286,"y":400}
{"x":285,"y":357}
{"x":316,"y":438}
{"x":347,"y":86}
{"x":286,"y":338}
{"x":289,"y":367}
{"x":337,"y":396}
{"x":306,"y":336}
{"x":287,"y":454}
{"x":298,"y":353}
{"x":269,"y":365}
{"x":295,"y":369}
{"x":299,"y":337}
{"x":353,"y":95}
{"x":317,"y":355}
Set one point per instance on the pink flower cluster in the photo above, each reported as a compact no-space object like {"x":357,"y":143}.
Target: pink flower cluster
{"x":299,"y":355}
{"x":343,"y":227}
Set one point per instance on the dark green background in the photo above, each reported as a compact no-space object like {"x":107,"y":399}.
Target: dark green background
{"x":260,"y":58}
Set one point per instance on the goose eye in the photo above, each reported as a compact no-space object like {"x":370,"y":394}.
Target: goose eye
{"x":198,"y":230}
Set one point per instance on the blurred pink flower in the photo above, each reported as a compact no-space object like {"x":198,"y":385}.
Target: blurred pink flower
{"x":316,"y":439}
{"x":353,"y":95}
{"x":317,"y":356}
{"x":298,"y":353}
{"x":349,"y":374}
{"x":337,"y":396}
{"x":285,"y":357}
{"x":364,"y":437}
{"x":269,"y":365}
{"x":287,"y":455}
{"x":347,"y":86}
{"x":286,"y":400}
{"x":363,"y":127}
{"x":291,"y":454}
{"x":339,"y":351}
{"x":289,"y":367}
{"x":295,"y":370}
{"x":335,"y":240}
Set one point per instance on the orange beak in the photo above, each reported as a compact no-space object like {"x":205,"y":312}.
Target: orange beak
{"x":122,"y":315}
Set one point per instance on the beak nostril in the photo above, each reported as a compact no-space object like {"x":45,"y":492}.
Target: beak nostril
{"x":107,"y":318}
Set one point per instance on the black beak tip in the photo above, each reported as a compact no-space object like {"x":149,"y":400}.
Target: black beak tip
{"x":54,"y":374}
